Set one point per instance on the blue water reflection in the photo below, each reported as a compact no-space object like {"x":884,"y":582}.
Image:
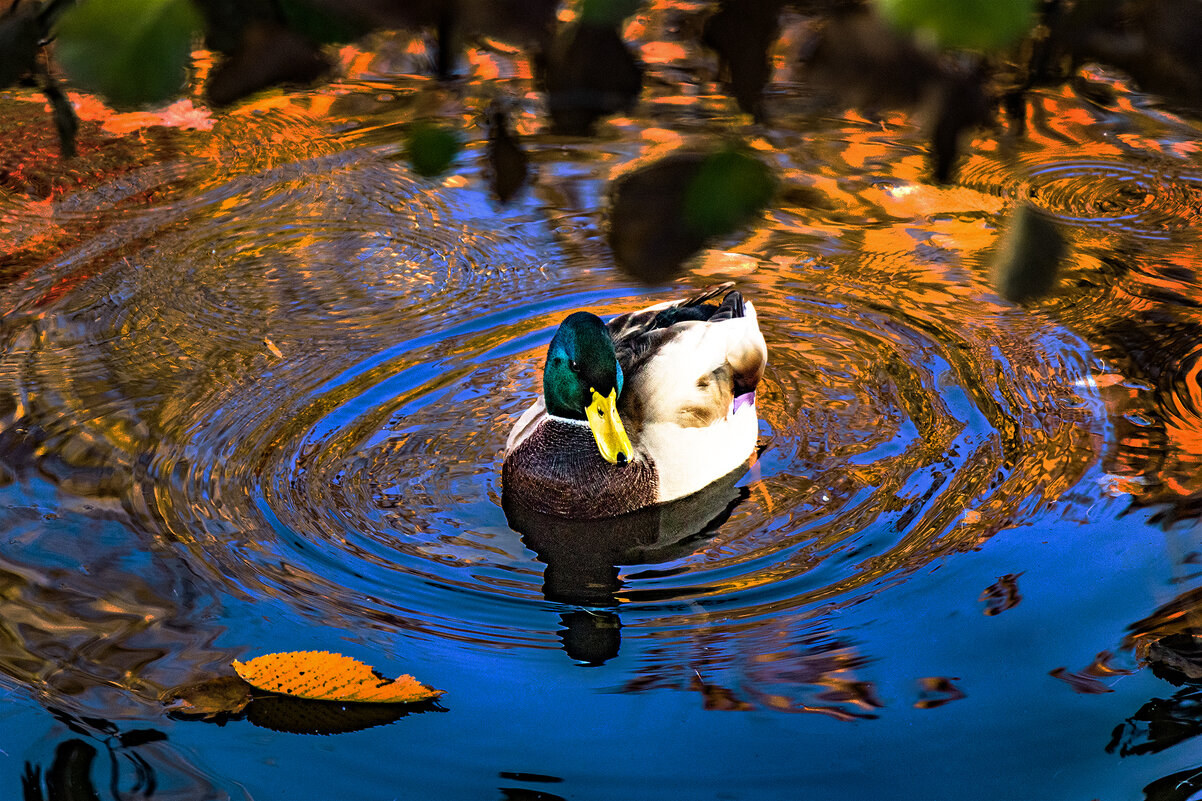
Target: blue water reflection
{"x":262,"y":405}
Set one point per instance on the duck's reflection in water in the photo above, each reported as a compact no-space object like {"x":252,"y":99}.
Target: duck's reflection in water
{"x":583,"y":557}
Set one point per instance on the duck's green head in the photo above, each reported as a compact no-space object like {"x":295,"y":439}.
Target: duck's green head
{"x":582,"y":381}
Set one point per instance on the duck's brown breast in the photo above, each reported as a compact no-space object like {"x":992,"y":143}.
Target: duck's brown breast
{"x":557,"y":470}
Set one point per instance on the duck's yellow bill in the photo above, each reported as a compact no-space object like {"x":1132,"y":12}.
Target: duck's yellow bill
{"x":607,"y":428}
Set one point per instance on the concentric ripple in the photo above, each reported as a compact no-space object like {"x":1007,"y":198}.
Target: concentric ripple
{"x":313,"y":399}
{"x":892,"y":436}
{"x":302,"y":378}
{"x":1136,"y":199}
{"x":1144,"y":200}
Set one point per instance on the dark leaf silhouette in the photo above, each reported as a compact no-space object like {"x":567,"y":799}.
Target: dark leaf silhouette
{"x":31,"y":783}
{"x":65,"y":121}
{"x":268,"y":54}
{"x":1086,"y":685}
{"x":865,"y":63}
{"x":1159,"y":724}
{"x":1002,"y":594}
{"x":861,"y":61}
{"x":323,"y":22}
{"x":587,"y":73}
{"x":937,"y":691}
{"x":508,"y":163}
{"x":210,"y":698}
{"x":1157,"y":42}
{"x":647,"y":229}
{"x":19,"y":35}
{"x":1177,"y":658}
{"x":741,"y":32}
{"x":1089,"y":680}
{"x":1181,"y":786}
{"x":302,"y":716}
{"x":138,"y":737}
{"x":962,"y":106}
{"x":69,"y":777}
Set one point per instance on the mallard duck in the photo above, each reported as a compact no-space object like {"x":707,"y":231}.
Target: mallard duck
{"x":652,"y":406}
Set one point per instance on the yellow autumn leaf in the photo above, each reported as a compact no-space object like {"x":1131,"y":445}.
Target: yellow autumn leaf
{"x":323,"y":676}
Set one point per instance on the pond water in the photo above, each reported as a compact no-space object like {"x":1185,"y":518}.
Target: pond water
{"x":257,"y":378}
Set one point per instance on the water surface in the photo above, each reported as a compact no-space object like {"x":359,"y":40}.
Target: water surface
{"x":257,"y":378}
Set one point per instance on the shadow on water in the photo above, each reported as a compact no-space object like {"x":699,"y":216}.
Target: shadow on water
{"x":583,"y":557}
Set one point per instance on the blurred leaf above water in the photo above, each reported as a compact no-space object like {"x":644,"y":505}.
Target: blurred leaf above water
{"x":663,"y":212}
{"x":976,"y":24}
{"x":587,"y":73}
{"x":430,"y":148}
{"x":133,"y":52}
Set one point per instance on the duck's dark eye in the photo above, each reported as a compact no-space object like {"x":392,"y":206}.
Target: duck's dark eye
{"x":575,"y":368}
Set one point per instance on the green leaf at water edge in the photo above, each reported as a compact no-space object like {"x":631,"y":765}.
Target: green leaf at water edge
{"x":132,"y":52}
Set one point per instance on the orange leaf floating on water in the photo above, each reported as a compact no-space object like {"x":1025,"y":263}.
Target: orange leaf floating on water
{"x":323,"y":676}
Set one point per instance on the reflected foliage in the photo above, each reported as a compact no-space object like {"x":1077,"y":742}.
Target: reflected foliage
{"x":1159,"y":724}
{"x":741,"y":33}
{"x":509,"y":166}
{"x":1002,"y":595}
{"x":69,"y":777}
{"x":102,"y":761}
{"x":588,"y":72}
{"x":818,"y":675}
{"x":954,"y":61}
{"x":1181,"y":786}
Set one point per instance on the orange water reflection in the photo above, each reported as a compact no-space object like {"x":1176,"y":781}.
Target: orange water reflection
{"x":909,"y":414}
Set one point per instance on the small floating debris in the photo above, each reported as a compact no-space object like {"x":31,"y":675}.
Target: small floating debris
{"x":209,"y":698}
